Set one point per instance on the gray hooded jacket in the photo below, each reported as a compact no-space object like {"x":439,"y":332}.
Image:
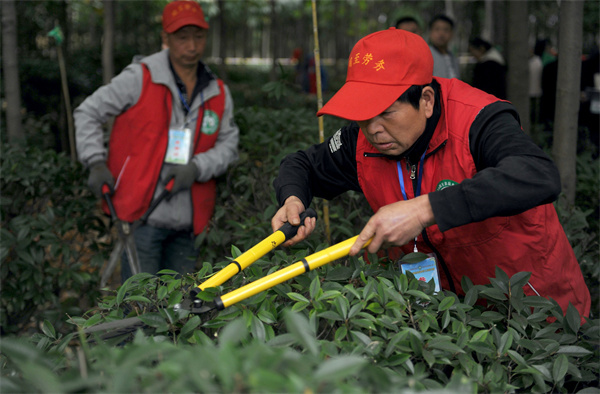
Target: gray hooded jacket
{"x":121,"y":94}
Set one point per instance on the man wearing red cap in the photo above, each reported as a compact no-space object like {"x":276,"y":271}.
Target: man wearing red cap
{"x":445,"y":167}
{"x":174,"y":121}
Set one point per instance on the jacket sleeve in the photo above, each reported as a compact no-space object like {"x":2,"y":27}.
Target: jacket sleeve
{"x":214,"y":162}
{"x":513,"y":173}
{"x":112,"y":99}
{"x":324,"y":170}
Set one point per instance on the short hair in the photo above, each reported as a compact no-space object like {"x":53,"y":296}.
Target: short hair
{"x":479,"y":42}
{"x":413,"y":94}
{"x":405,"y":19}
{"x":441,"y":17}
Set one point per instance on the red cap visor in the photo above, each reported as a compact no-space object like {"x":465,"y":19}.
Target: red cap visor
{"x":362,"y":100}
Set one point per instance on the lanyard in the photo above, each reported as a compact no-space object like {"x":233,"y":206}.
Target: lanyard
{"x":419,"y":179}
{"x":184,"y":101}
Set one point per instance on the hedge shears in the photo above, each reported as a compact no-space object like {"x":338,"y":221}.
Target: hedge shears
{"x":125,"y":232}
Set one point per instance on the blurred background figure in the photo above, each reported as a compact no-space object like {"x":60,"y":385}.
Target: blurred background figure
{"x":306,"y":71}
{"x":535,"y":79}
{"x":410,"y":24}
{"x":441,"y":31}
{"x":489,"y":73}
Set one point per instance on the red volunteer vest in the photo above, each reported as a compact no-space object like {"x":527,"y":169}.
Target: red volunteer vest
{"x":532,"y":241}
{"x":138,"y":145}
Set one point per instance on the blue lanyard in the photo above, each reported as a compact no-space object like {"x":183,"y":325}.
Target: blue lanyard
{"x":184,"y":101}
{"x":419,"y":179}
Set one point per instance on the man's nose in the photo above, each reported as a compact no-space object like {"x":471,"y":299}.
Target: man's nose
{"x":372,"y":126}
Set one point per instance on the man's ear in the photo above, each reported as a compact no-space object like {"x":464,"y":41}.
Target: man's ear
{"x":428,"y":100}
{"x":163,"y":36}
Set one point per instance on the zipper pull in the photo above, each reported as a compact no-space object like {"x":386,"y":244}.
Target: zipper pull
{"x":413,"y":171}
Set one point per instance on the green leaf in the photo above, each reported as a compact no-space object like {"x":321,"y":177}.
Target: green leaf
{"x":234,"y":332}
{"x":154,"y":320}
{"x":190,"y":325}
{"x":471,"y":296}
{"x":258,"y":329}
{"x":482,"y":347}
{"x":447,"y":346}
{"x":516,"y":357}
{"x":446,"y":304}
{"x":315,"y":287}
{"x":480,"y":336}
{"x":576,"y":351}
{"x":298,"y":297}
{"x":419,"y":294}
{"x":138,"y":298}
{"x":412,"y":258}
{"x":299,"y":327}
{"x":331,"y":315}
{"x":559,"y":368}
{"x":519,"y":279}
{"x":48,"y":329}
{"x":339,"y":368}
{"x":161,"y":293}
{"x":573,"y":318}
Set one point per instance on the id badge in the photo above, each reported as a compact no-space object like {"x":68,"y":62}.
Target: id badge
{"x":424,"y":270}
{"x":178,"y":150}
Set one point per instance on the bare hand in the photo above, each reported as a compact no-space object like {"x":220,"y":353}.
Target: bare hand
{"x":290,"y":212}
{"x":395,"y":224}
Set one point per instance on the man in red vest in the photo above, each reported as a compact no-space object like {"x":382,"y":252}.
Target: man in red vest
{"x":174,"y":121}
{"x":446,"y":168}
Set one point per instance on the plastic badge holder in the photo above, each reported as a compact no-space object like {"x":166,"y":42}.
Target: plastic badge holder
{"x":424,"y":270}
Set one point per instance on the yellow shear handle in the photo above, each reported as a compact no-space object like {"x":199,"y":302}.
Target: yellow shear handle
{"x":309,"y":263}
{"x":244,"y":260}
{"x":284,"y":233}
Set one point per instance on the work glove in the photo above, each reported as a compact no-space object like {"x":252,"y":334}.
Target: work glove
{"x":100,"y":175}
{"x":184,"y":176}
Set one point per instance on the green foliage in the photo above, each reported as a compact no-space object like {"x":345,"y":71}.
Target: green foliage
{"x":48,"y":251}
{"x":365,"y":329}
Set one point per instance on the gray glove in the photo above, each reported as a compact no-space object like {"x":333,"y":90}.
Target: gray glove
{"x":184,"y":176}
{"x":99,"y":176}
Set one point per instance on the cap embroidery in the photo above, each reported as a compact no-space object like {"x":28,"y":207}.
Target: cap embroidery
{"x":367,"y":58}
{"x":379,"y":65}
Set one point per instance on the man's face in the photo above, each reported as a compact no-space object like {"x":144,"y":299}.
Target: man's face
{"x":397,"y":128}
{"x":186,"y":45}
{"x":440,"y":34}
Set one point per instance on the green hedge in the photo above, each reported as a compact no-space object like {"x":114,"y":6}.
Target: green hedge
{"x":348,"y":326}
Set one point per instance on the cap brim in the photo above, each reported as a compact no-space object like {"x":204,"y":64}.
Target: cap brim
{"x":361,"y":100}
{"x":192,"y":21}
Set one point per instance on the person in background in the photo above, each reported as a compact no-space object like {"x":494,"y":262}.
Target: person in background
{"x":410,"y":24}
{"x":446,"y":168}
{"x":535,"y":79}
{"x":445,"y":64}
{"x":174,"y":121}
{"x":489,"y":73}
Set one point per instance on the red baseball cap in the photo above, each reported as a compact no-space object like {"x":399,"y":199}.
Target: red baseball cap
{"x":381,"y":67}
{"x":182,"y":13}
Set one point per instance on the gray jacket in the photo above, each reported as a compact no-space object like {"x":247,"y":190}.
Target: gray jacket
{"x":444,"y":66}
{"x":121,"y":94}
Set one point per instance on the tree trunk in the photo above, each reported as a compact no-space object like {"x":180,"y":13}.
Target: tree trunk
{"x":273,"y":33}
{"x":11,"y":73}
{"x":222,"y":40}
{"x":108,"y":42}
{"x":564,"y":147}
{"x":517,"y":86}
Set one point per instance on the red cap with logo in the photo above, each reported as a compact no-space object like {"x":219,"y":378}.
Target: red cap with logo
{"x":182,"y":13}
{"x":381,"y":67}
